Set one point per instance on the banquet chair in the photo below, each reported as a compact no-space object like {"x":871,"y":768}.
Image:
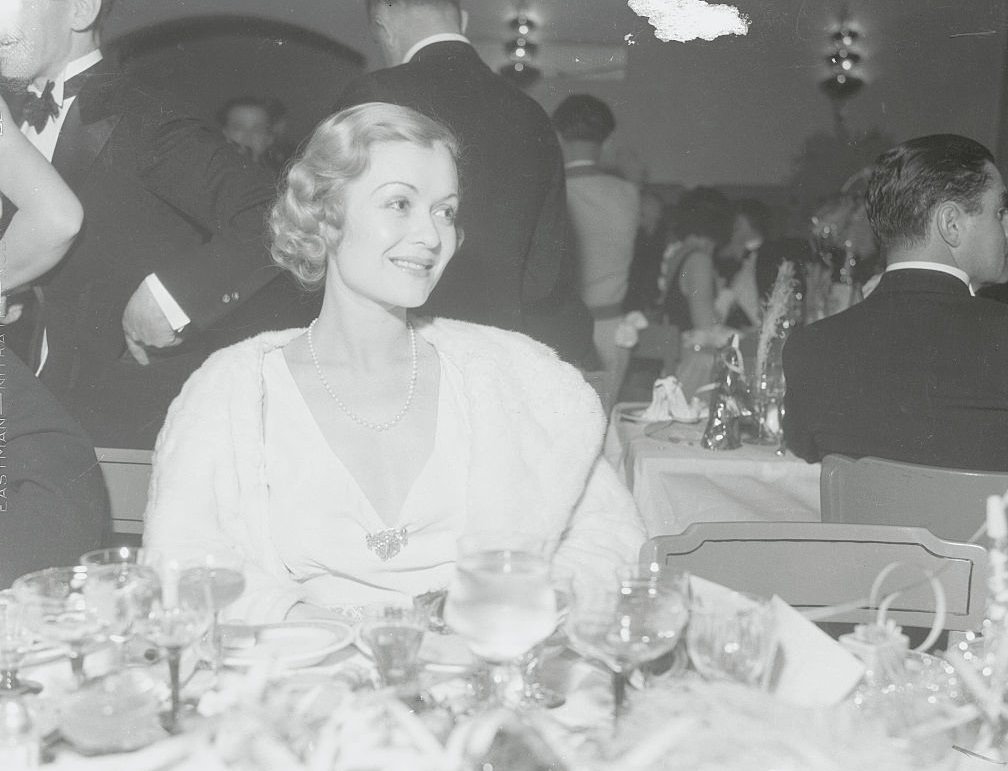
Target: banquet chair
{"x":814,"y":565}
{"x":127,"y":474}
{"x":872,"y":491}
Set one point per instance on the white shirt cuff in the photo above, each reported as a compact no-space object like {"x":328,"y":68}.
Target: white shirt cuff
{"x":171,"y":309}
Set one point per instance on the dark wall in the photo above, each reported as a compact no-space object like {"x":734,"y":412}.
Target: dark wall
{"x":208,"y":60}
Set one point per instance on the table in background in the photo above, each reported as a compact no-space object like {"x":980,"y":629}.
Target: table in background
{"x":676,"y":482}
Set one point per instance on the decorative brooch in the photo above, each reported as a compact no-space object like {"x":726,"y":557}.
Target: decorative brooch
{"x":387,"y":543}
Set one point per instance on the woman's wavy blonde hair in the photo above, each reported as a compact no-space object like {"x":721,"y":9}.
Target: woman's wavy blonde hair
{"x":307,"y":218}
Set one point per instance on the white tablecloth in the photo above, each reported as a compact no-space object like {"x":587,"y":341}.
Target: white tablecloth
{"x":676,"y":482}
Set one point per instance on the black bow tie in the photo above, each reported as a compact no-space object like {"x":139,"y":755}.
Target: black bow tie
{"x":37,"y":110}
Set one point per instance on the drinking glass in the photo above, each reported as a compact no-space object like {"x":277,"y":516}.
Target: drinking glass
{"x":394,"y":634}
{"x":173,"y":627}
{"x":501,"y":603}
{"x":122,"y":593}
{"x":119,"y":555}
{"x":215,"y":580}
{"x":639,"y":621}
{"x":15,"y":640}
{"x":768,"y":399}
{"x":57,"y":609}
{"x":732,"y":641}
{"x":536,"y":693}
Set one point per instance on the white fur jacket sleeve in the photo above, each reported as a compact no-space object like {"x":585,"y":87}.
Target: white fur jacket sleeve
{"x":535,"y":463}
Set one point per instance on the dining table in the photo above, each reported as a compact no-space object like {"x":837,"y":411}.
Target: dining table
{"x":676,"y":482}
{"x":333,"y":709}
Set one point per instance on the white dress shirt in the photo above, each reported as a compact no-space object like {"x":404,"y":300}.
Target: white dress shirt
{"x":45,"y":142}
{"x":938,"y":266}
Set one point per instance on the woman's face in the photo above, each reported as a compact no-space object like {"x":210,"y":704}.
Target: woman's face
{"x":399,"y":224}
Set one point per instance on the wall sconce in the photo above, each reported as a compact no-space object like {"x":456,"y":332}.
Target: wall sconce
{"x":521,"y":51}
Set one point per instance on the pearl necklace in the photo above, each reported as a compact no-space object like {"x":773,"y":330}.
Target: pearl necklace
{"x":346,"y":410}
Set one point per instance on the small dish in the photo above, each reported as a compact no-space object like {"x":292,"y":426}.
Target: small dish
{"x":636,"y":415}
{"x":288,"y":644}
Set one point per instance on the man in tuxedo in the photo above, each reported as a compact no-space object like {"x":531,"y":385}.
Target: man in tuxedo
{"x":173,"y":237}
{"x":53,"y":505}
{"x":513,"y":270}
{"x":918,"y":371}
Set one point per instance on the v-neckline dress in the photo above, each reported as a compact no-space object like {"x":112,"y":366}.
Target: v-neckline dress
{"x":320,"y":518}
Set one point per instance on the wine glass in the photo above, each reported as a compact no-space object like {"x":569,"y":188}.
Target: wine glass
{"x":394,"y":634}
{"x":501,"y":603}
{"x":216,"y":580}
{"x":639,"y":621}
{"x":15,"y":641}
{"x":122,"y":593}
{"x":118,"y":555}
{"x":57,"y":609}
{"x":536,"y":693}
{"x":175,"y":622}
{"x":732,"y":640}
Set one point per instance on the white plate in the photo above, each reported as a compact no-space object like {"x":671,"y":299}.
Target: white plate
{"x":635,"y":415}
{"x":287,"y":644}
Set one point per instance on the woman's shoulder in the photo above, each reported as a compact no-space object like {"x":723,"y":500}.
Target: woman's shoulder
{"x":514,"y":361}
{"x":230,"y":365}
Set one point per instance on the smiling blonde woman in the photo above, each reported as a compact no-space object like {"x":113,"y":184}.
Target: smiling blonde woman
{"x":344,"y":461}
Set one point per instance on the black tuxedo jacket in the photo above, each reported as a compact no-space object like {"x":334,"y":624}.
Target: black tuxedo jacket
{"x":513,"y":269}
{"x":53,"y":506}
{"x":162,"y":193}
{"x":917,"y":372}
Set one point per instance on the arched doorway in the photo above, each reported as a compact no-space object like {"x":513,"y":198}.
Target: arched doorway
{"x":208,"y":60}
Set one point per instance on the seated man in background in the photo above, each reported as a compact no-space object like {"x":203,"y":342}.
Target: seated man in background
{"x":53,"y":505}
{"x":917,"y":372}
{"x":246,"y":122}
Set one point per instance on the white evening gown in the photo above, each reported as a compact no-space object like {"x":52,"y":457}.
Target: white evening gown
{"x":320,"y":518}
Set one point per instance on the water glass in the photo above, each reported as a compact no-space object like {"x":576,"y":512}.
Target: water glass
{"x":394,"y":634}
{"x":639,"y":620}
{"x":122,"y":593}
{"x":216,"y":580}
{"x":732,"y":641}
{"x":501,"y":603}
{"x":123,"y":555}
{"x":15,"y":641}
{"x":57,"y":609}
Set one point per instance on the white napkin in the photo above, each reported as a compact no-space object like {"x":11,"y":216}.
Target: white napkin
{"x":668,"y":402}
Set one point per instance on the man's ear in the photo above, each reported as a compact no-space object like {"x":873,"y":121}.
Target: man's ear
{"x":948,"y":221}
{"x":83,"y":14}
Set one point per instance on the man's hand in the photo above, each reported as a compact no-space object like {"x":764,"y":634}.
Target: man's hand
{"x":145,"y":325}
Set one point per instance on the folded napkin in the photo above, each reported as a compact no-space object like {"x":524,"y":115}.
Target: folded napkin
{"x":668,"y":402}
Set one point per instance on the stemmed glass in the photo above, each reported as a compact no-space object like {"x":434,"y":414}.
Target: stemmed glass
{"x":57,"y":608}
{"x":176,"y":621}
{"x":394,"y":634}
{"x":502,"y":604}
{"x":15,"y":640}
{"x":537,"y":694}
{"x":216,"y":580}
{"x":639,"y":621}
{"x":122,"y":594}
{"x":732,"y":641}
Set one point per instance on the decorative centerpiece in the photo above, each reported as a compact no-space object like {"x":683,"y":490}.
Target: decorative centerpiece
{"x":780,"y":314}
{"x":730,"y":403}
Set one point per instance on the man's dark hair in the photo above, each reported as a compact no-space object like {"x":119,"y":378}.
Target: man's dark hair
{"x":102,"y":15}
{"x":242,"y":101}
{"x":374,"y":5}
{"x":911,"y":179}
{"x":583,"y":117}
{"x":703,"y":211}
{"x":758,"y":214}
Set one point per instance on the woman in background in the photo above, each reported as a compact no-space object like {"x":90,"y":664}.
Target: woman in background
{"x":343,"y":462}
